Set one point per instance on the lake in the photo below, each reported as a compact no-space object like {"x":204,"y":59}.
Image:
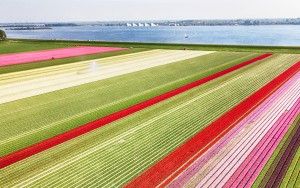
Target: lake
{"x":283,"y":35}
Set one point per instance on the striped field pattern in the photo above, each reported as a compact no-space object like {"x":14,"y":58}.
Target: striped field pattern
{"x":33,"y":119}
{"x":257,"y":132}
{"x":46,"y":144}
{"x":45,"y":80}
{"x":175,"y":163}
{"x":154,"y":118}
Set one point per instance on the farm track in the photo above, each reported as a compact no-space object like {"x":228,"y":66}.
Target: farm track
{"x":160,"y":134}
{"x":199,"y":163}
{"x":31,"y":57}
{"x":163,"y":172}
{"x":27,"y":152}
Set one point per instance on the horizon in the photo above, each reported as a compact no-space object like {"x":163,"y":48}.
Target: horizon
{"x":133,"y":10}
{"x":91,"y":21}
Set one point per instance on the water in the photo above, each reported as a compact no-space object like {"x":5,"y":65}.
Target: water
{"x":285,"y":35}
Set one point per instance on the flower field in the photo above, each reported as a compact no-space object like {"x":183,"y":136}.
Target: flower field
{"x":29,"y":57}
{"x":152,"y":118}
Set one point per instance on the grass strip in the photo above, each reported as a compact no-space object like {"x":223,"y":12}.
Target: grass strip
{"x":163,"y":172}
{"x":209,"y":47}
{"x":46,"y":144}
{"x":292,"y":177}
{"x":16,"y":46}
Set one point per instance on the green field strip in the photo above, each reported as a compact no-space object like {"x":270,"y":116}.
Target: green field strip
{"x":205,"y":47}
{"x":292,"y":175}
{"x":291,"y":179}
{"x":114,"y":154}
{"x":287,"y":159}
{"x":269,"y":167}
{"x":30,"y":66}
{"x":49,"y":114}
{"x":15,"y":46}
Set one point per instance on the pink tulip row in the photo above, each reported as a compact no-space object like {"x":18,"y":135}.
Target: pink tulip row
{"x":43,"y":55}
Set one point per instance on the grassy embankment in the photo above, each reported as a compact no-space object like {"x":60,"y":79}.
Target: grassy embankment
{"x":212,"y":47}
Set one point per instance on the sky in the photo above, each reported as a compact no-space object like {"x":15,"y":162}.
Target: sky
{"x":123,"y":10}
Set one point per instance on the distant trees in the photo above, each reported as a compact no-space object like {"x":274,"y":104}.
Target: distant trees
{"x":2,"y":35}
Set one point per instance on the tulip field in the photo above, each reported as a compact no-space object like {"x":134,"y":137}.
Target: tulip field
{"x":118,"y":115}
{"x":30,"y":57}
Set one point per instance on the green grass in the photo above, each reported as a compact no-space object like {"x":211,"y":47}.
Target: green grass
{"x":236,"y":48}
{"x":269,"y":167}
{"x":63,"y":110}
{"x":15,"y":46}
{"x":292,"y":178}
{"x":114,"y":154}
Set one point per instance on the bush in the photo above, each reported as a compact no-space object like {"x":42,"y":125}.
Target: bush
{"x":2,"y":35}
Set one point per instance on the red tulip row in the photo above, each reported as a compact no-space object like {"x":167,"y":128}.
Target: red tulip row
{"x":51,"y":142}
{"x":163,"y":172}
